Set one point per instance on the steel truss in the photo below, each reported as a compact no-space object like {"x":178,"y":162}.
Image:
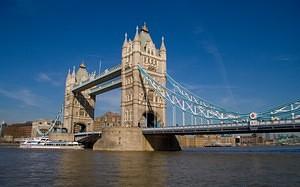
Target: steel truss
{"x":186,"y":101}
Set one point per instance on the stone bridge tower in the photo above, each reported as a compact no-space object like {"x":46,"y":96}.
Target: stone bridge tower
{"x":79,"y":107}
{"x":140,"y":105}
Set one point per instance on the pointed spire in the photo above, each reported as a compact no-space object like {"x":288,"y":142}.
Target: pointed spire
{"x":73,"y":72}
{"x":82,"y":65}
{"x":136,"y":37}
{"x":68,"y":76}
{"x":145,"y":28}
{"x":162,"y":47}
{"x":125,"y":40}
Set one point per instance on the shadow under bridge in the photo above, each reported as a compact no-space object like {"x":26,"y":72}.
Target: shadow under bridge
{"x":88,"y":139}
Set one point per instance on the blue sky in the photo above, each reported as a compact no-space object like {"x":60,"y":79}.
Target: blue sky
{"x":242,"y":55}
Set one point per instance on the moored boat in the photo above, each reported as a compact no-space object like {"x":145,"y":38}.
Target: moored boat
{"x":45,"y":143}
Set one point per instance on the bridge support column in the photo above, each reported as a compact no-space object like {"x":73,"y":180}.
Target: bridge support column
{"x":132,"y":139}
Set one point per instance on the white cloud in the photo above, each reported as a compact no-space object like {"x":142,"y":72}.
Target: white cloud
{"x":198,"y":30}
{"x":24,"y":95}
{"x":286,"y":58}
{"x":202,"y":87}
{"x":48,"y":78}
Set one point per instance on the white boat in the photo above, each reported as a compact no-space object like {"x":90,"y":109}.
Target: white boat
{"x":44,"y":143}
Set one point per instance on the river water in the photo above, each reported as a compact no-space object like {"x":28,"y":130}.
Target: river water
{"x":236,"y":166}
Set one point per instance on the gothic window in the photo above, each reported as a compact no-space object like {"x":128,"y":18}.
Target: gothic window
{"x":150,"y":95}
{"x":141,"y":96}
{"x":81,"y":112}
{"x":126,"y":115}
{"x":130,"y":115}
{"x":151,"y":68}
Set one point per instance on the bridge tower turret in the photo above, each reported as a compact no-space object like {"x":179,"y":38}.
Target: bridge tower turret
{"x":79,"y":107}
{"x":140,"y":105}
{"x":163,"y":55}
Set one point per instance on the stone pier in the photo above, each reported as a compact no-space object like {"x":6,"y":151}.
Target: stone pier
{"x":132,"y":139}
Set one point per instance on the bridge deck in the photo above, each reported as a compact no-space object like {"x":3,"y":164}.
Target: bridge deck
{"x":241,"y":128}
{"x":87,"y":133}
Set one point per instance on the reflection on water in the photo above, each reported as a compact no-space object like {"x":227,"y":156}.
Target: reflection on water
{"x":110,"y":168}
{"x":197,"y":167}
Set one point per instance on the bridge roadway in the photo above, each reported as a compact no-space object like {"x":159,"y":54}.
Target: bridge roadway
{"x":232,"y":128}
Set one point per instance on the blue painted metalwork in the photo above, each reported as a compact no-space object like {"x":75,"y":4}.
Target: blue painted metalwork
{"x":54,"y":123}
{"x":186,"y":101}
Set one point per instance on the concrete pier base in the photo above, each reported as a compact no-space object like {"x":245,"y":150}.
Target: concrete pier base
{"x":132,"y":139}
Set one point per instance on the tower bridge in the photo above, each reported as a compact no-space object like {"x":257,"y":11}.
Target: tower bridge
{"x":146,"y":89}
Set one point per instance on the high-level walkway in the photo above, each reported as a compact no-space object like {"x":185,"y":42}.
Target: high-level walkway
{"x":106,"y":76}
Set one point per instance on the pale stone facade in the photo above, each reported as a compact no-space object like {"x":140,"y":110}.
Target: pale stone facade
{"x":132,"y":139}
{"x":79,"y":107}
{"x":193,"y":141}
{"x":109,"y":119}
{"x":42,"y":124}
{"x":140,"y":105}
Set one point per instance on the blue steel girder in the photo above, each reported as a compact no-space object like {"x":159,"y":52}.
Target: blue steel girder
{"x":288,"y":111}
{"x":187,"y":105}
{"x":58,"y":117}
{"x":186,"y":101}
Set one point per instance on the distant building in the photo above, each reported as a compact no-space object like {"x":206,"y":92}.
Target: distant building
{"x":18,"y":130}
{"x":193,"y":141}
{"x":41,"y":125}
{"x":109,"y":119}
{"x":251,"y":139}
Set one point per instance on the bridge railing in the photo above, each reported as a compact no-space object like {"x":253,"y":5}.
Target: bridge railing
{"x":87,"y":133}
{"x":259,"y":123}
{"x":109,"y":70}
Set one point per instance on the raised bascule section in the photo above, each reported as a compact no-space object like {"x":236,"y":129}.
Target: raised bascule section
{"x":146,"y":89}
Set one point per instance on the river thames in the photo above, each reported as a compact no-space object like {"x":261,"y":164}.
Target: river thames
{"x":236,"y":166}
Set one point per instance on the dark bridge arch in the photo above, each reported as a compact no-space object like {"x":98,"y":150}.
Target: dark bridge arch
{"x":150,"y":119}
{"x":79,"y":127}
